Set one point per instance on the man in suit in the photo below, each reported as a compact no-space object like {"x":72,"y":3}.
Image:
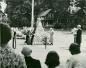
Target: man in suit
{"x":78,"y":35}
{"x":30,"y":62}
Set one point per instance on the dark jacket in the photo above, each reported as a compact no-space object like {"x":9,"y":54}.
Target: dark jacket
{"x":78,"y":36}
{"x":32,"y":63}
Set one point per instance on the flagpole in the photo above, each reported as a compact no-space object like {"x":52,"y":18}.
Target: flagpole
{"x":32,"y":16}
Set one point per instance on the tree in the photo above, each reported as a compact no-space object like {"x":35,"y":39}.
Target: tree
{"x":19,"y":11}
{"x":18,"y":8}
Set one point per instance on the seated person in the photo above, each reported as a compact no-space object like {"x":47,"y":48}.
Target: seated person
{"x":30,"y":62}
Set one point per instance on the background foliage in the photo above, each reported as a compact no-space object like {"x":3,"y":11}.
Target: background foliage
{"x":19,"y":12}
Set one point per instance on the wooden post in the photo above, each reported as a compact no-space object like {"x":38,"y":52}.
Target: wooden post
{"x":45,"y":42}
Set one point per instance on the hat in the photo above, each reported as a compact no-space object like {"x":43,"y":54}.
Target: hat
{"x":79,"y":26}
{"x":26,"y":51}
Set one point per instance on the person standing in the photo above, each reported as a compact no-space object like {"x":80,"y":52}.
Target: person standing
{"x":51,"y":36}
{"x":28,"y":40}
{"x":32,"y":32}
{"x":79,"y":35}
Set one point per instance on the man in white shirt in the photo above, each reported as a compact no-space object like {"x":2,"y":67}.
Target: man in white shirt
{"x":78,"y":60}
{"x":74,"y":31}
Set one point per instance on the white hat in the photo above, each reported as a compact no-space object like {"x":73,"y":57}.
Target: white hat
{"x":79,"y":26}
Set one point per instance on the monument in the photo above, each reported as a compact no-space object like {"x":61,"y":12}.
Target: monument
{"x":40,"y":34}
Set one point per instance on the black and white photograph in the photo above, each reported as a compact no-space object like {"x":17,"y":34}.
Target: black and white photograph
{"x":42,"y":33}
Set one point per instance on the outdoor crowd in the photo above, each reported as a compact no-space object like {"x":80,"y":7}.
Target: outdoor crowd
{"x":9,"y":59}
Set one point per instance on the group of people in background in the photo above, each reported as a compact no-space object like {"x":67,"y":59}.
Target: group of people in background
{"x":9,"y":59}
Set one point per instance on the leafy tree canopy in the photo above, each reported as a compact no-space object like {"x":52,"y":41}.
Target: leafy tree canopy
{"x":19,"y":11}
